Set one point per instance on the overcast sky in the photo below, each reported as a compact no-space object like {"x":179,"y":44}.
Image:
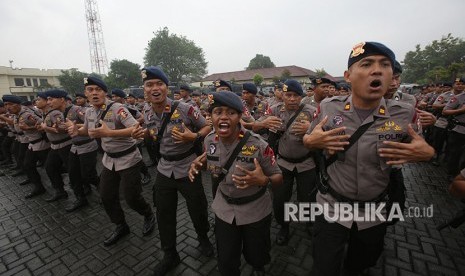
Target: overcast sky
{"x":52,"y":34}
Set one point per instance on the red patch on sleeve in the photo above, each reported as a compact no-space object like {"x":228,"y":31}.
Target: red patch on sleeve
{"x":269,"y":153}
{"x":415,"y":117}
{"x":268,"y":111}
{"x":122,"y":113}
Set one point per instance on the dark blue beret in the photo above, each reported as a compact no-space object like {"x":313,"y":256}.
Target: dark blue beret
{"x":397,"y":68}
{"x":118,"y":92}
{"x":278,"y":86}
{"x":225,"y":98}
{"x":154,"y":72}
{"x":176,"y":91}
{"x":42,"y":95}
{"x":12,"y":99}
{"x":462,"y":80}
{"x":318,"y":81}
{"x":185,"y":87}
{"x":219,"y":83}
{"x":447,"y":84}
{"x":26,"y":103}
{"x":238,"y":93}
{"x":80,"y":94}
{"x":344,"y":86}
{"x":2,"y":104}
{"x":250,"y":87}
{"x":294,"y":86}
{"x":56,"y":93}
{"x":365,"y":49}
{"x":195,"y":93}
{"x":90,"y":80}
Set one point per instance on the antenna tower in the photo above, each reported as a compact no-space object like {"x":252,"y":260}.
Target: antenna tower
{"x":98,"y":55}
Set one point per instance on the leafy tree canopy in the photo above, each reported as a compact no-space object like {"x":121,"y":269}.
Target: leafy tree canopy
{"x":260,"y":61}
{"x":123,"y":74}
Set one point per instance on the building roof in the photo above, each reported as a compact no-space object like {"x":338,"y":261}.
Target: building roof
{"x":267,"y":73}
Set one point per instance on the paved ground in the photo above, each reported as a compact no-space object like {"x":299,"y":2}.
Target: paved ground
{"x":39,"y":238}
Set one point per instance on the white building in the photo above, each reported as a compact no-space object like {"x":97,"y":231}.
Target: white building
{"x":26,"y":82}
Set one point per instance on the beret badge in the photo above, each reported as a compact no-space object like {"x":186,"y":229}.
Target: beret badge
{"x":284,"y":88}
{"x":217,"y":83}
{"x":210,"y":99}
{"x":358,"y":49}
{"x":144,"y":74}
{"x":86,"y":81}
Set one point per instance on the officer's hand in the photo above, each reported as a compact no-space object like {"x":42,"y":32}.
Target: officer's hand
{"x":426,"y":118}
{"x":99,"y":132}
{"x":72,"y":128}
{"x":182,"y":137}
{"x":254,"y":177}
{"x":138,"y":132}
{"x":272,"y":122}
{"x":39,"y":126}
{"x":300,"y":128}
{"x":400,"y":153}
{"x":208,"y":121}
{"x":330,"y":140}
{"x":196,"y":165}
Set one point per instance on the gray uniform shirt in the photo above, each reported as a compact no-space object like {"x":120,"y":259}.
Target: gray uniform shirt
{"x":117,"y":117}
{"x":77,"y":114}
{"x":361,"y":174}
{"x":191,"y":118}
{"x":291,"y":145}
{"x":37,"y":141}
{"x":308,"y":100}
{"x":456,"y":102}
{"x":441,"y":122}
{"x":405,"y":97}
{"x":217,"y":156}
{"x":53,"y":118}
{"x":20,"y":136}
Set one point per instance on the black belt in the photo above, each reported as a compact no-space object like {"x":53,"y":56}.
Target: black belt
{"x":244,"y":199}
{"x":296,"y":160}
{"x":60,"y":141}
{"x":342,"y":199}
{"x":36,"y":140}
{"x":122,"y":153}
{"x":178,"y":157}
{"x":82,"y":142}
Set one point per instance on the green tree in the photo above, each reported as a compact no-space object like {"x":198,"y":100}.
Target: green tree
{"x":260,"y":61}
{"x":441,"y":60}
{"x":258,"y":79}
{"x":179,"y":57}
{"x":123,"y":74}
{"x":72,"y":80}
{"x":320,"y":73}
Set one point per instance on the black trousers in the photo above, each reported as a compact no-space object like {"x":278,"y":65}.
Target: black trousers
{"x":143,"y":168}
{"x":166,"y":193}
{"x":22,"y":148}
{"x":329,"y":240}
{"x":306,"y":183}
{"x":15,"y":152}
{"x":456,"y":147}
{"x":439,"y":138}
{"x":252,"y":240}
{"x":29,"y":166}
{"x":56,"y":159}
{"x":129,"y":180}
{"x":82,"y":170}
{"x":6,"y":147}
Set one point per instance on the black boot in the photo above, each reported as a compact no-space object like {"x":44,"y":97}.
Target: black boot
{"x":149,"y":225}
{"x":206,"y":247}
{"x":24,"y":182}
{"x":79,"y":203}
{"x":146,"y":179}
{"x":283,"y":235}
{"x":35,"y":192}
{"x":57,"y":196}
{"x":169,"y":262}
{"x":120,"y":231}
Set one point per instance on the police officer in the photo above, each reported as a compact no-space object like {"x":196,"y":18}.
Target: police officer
{"x":321,"y":91}
{"x":360,"y":174}
{"x":177,"y":153}
{"x":278,"y":95}
{"x":185,"y":94}
{"x":82,"y":160}
{"x":294,"y":160}
{"x":55,"y":128}
{"x":81,"y":99}
{"x":308,"y":99}
{"x":113,"y":123}
{"x":456,"y":140}
{"x":255,"y":106}
{"x":176,"y":95}
{"x":38,"y":144}
{"x":242,"y":205}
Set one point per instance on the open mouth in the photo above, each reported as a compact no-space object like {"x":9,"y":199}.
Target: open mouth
{"x":375,"y":84}
{"x":156,"y":94}
{"x":223,"y":127}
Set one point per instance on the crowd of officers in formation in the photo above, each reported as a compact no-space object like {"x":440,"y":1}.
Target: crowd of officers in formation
{"x":254,"y":148}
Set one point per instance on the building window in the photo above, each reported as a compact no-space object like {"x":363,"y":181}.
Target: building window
{"x":19,"y":82}
{"x":28,"y":81}
{"x":35,"y":82}
{"x":43,"y":82}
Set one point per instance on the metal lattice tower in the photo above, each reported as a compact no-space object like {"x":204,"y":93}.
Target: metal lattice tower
{"x":98,"y":55}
